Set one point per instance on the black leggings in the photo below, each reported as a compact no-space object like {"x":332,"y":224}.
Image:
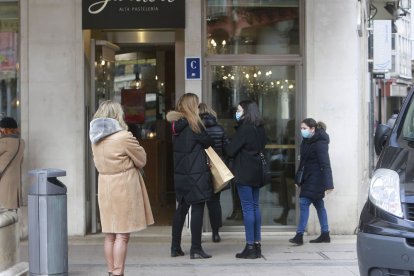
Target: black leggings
{"x":214,"y":212}
{"x":197,"y":211}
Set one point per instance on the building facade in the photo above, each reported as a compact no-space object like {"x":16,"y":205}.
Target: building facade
{"x":296,"y":58}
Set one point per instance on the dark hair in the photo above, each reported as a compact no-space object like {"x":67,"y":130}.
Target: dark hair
{"x":8,"y":122}
{"x":251,"y":113}
{"x":313,"y":124}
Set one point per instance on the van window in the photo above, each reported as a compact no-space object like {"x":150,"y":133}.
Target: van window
{"x":407,"y":131}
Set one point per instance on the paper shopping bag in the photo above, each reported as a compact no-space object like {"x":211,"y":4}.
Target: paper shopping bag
{"x":221,"y":175}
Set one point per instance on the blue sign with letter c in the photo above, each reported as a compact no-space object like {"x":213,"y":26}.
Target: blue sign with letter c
{"x":193,"y":68}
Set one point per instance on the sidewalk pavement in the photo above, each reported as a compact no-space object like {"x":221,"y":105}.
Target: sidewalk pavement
{"x":149,"y":254}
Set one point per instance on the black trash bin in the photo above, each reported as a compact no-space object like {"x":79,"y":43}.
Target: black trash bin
{"x":48,"y":233}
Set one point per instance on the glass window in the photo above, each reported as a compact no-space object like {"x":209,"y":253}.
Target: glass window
{"x":9,"y":65}
{"x":252,"y":27}
{"x":274,"y":88}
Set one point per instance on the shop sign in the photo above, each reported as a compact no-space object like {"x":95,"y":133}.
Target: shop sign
{"x":193,"y":68}
{"x":382,"y":45}
{"x":378,"y":75}
{"x":133,"y":14}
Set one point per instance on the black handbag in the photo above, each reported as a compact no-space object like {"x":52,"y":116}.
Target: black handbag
{"x":266,"y":176}
{"x":299,"y":175}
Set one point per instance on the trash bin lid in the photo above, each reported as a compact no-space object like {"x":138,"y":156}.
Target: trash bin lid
{"x":45,"y":182}
{"x":50,"y":172}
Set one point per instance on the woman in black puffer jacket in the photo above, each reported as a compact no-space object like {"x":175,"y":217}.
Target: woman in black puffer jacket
{"x":192,"y":180}
{"x":317,"y":178}
{"x":219,"y":138}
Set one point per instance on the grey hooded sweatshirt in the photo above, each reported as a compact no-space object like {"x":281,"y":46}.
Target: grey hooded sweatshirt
{"x":101,"y":128}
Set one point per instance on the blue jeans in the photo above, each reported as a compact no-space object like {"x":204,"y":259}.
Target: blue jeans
{"x":249,"y":199}
{"x":304,"y":214}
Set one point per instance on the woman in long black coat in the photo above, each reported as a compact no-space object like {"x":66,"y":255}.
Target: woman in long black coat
{"x":245,"y":147}
{"x":191,"y":173}
{"x":219,"y":139}
{"x":317,"y":178}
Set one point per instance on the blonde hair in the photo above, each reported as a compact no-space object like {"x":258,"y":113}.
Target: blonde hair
{"x":188,"y":106}
{"x":204,"y":108}
{"x":8,"y":131}
{"x":113,"y":110}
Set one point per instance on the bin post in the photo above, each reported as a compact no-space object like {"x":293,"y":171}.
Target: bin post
{"x":48,"y":234}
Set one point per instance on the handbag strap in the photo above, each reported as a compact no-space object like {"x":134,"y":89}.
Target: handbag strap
{"x":11,"y":161}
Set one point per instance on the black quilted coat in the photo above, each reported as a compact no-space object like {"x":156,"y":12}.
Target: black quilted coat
{"x":216,"y":133}
{"x":317,"y":173}
{"x":192,"y":179}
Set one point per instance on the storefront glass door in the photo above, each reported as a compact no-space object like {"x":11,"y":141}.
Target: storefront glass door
{"x":274,"y":88}
{"x":142,"y":79}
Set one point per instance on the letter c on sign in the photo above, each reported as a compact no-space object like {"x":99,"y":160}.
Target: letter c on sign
{"x":193,"y":64}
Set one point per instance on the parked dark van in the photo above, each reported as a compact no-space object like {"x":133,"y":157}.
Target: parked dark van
{"x":385,"y":241}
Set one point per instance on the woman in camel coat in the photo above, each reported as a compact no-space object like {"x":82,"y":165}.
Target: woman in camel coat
{"x":123,"y":201}
{"x":11,"y":157}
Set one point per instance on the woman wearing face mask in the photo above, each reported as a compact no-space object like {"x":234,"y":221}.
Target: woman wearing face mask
{"x":247,"y":143}
{"x":317,"y":178}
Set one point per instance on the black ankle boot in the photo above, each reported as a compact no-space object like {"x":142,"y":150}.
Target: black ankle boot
{"x":281,"y":220}
{"x":324,"y":237}
{"x":297,"y":239}
{"x":249,"y":252}
{"x":215,"y":237}
{"x":199,"y":254}
{"x":176,"y":252}
{"x":258,"y":248}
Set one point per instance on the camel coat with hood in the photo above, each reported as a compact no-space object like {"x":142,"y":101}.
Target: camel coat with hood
{"x":123,"y":200}
{"x":10,"y":182}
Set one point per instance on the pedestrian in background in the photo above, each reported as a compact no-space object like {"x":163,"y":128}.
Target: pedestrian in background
{"x":122,"y":197}
{"x":317,"y":178}
{"x":192,"y":177}
{"x":393,"y":118}
{"x":245,"y":147}
{"x":11,"y":158}
{"x":219,"y":139}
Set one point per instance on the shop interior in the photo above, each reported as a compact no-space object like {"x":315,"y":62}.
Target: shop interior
{"x":140,"y":76}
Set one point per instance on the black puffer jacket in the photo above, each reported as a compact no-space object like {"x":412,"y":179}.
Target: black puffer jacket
{"x":191,"y":173}
{"x":244,"y":148}
{"x":317,"y":173}
{"x":216,"y":133}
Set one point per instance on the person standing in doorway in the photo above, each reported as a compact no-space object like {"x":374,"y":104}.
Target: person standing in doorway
{"x":11,"y":158}
{"x":245,"y":147}
{"x":192,"y":177}
{"x":122,"y":197}
{"x":217,"y":134}
{"x":317,"y":178}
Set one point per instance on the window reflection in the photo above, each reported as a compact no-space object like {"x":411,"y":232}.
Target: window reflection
{"x":9,"y":66}
{"x":252,"y":27}
{"x":274,"y":89}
